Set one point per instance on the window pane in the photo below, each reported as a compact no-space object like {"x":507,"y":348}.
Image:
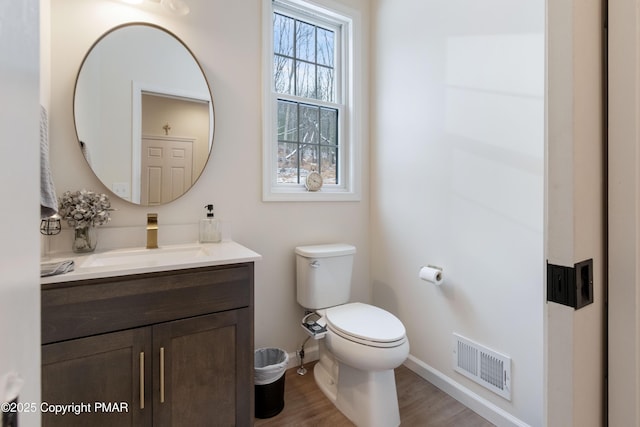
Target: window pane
{"x":309,"y":124}
{"x":325,"y":47}
{"x":282,"y":35}
{"x":305,"y":41}
{"x":309,"y":159}
{"x":328,"y":126}
{"x":287,"y":162}
{"x":306,"y":80}
{"x":326,"y":85}
{"x":303,"y":66}
{"x":287,"y":121}
{"x":328,"y":165}
{"x":283,"y":74}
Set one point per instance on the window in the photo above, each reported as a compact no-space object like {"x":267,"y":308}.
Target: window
{"x":309,"y":118}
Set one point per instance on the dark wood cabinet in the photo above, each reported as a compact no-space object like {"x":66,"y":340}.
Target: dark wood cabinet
{"x":79,"y":373}
{"x":202,"y":365}
{"x":159,"y":349}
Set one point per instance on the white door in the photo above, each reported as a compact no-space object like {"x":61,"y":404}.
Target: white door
{"x":167,"y":168}
{"x":624,"y":212}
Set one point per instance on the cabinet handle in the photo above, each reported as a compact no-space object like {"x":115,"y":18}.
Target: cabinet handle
{"x":161,"y":374}
{"x":142,"y":380}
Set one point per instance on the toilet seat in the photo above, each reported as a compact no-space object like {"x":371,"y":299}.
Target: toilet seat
{"x":366,"y":324}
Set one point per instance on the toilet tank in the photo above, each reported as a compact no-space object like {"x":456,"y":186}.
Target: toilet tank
{"x":323,"y":274}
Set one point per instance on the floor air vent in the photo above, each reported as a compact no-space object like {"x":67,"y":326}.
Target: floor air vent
{"x":484,"y":366}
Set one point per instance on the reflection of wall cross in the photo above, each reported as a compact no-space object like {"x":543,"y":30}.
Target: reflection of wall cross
{"x":166,"y":128}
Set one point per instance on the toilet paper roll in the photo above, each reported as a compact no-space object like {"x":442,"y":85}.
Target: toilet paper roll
{"x":432,"y":274}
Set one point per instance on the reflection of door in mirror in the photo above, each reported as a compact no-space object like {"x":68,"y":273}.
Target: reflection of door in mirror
{"x":167,"y":168}
{"x":171,"y":163}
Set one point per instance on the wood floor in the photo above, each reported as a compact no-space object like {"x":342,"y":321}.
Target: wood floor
{"x":421,"y":404}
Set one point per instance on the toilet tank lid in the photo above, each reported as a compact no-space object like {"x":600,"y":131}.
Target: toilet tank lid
{"x":329,"y":250}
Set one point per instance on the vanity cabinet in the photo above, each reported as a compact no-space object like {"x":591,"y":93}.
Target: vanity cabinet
{"x":156,"y":349}
{"x":105,"y":368}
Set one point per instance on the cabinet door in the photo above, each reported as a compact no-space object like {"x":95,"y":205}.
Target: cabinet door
{"x":98,"y":381}
{"x":205,"y":373}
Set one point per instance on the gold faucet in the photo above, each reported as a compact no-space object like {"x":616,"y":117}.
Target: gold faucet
{"x":152,"y":231}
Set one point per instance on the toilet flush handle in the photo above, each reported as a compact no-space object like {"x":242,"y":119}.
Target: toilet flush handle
{"x":314,"y":264}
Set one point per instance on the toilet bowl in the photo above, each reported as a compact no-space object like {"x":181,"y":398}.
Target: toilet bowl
{"x":366,"y":337}
{"x":362,"y":344}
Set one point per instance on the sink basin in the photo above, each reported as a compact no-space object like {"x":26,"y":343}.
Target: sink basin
{"x":146,"y":257}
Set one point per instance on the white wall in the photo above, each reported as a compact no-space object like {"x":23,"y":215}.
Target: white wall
{"x":19,"y":149}
{"x":458,"y":172}
{"x":226,"y":39}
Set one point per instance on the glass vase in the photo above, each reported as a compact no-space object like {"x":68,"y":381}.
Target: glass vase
{"x":84,"y":239}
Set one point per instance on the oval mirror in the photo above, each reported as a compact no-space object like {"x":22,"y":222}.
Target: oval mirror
{"x":144,"y":114}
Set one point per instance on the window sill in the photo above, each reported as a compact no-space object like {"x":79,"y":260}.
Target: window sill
{"x":300,"y":194}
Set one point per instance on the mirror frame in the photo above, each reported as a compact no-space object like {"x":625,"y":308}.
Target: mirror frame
{"x":136,"y":131}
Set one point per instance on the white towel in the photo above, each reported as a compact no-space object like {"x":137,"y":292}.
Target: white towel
{"x":55,"y":268}
{"x":10,"y":385}
{"x":48,"y":200}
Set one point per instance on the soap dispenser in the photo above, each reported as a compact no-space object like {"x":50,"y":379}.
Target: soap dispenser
{"x":209,"y":227}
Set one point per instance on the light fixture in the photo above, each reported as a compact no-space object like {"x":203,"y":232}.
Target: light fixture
{"x":179,"y":7}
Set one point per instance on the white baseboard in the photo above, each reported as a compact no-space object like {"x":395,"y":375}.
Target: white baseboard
{"x":471,"y":400}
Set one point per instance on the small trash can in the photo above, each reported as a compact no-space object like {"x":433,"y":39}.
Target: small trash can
{"x":270,"y":364}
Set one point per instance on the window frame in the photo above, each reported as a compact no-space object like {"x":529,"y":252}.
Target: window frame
{"x":329,"y":15}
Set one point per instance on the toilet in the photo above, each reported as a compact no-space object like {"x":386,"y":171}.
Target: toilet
{"x":362,"y":345}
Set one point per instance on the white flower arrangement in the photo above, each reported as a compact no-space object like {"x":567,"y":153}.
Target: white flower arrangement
{"x":84,"y":208}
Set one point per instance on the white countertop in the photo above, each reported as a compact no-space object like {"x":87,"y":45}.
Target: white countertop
{"x":120,"y":262}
